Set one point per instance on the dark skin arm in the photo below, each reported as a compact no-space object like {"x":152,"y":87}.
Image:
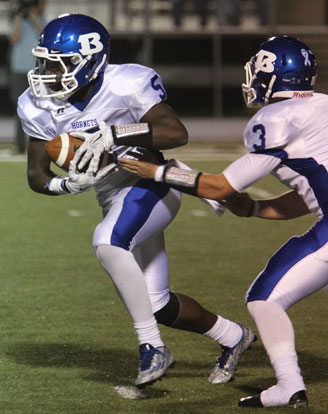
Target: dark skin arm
{"x":38,"y":166}
{"x":283,"y":207}
{"x":168,"y":130}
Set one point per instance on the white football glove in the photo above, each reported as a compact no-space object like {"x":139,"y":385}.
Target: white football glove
{"x":79,"y":182}
{"x":93,"y":146}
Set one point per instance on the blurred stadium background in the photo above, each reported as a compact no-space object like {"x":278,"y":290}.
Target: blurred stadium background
{"x":202,"y":67}
{"x":61,"y":347}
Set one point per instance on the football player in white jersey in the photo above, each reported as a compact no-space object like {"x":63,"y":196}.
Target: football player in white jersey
{"x":287,"y":137}
{"x":122,"y":107}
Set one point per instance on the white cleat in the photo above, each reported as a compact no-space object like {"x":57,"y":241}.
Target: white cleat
{"x":153,"y":364}
{"x":226,"y":364}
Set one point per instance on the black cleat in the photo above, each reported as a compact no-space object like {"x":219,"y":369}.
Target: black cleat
{"x":297,"y":400}
{"x":252,"y":401}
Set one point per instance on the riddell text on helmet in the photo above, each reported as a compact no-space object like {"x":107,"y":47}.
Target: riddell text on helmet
{"x":305,"y":94}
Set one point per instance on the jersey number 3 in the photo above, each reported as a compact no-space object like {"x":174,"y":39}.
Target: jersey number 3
{"x":259,"y":128}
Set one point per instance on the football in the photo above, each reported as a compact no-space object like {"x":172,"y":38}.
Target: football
{"x":62,"y":149}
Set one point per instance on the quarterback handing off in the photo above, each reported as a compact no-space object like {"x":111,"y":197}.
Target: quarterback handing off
{"x":119,"y":108}
{"x":287,"y":137}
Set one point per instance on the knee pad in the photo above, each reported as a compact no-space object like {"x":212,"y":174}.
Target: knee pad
{"x":169,"y":313}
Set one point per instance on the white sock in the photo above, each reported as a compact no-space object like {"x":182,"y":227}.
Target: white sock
{"x":277,"y":334}
{"x":225,"y":332}
{"x":289,"y":381}
{"x":274,"y":326}
{"x":288,"y":373}
{"x":130,"y":284}
{"x":148,"y":332}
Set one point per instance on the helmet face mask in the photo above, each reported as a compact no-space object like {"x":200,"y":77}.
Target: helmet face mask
{"x":283,"y":67}
{"x":52,"y":75}
{"x":249,"y":93}
{"x":72,"y":51}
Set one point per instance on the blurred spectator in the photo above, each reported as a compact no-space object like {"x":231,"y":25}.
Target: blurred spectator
{"x":229,"y":12}
{"x":27,"y":26}
{"x":263,"y":9}
{"x":178,"y":11}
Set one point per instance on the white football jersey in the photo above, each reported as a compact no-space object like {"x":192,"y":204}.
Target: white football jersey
{"x":288,"y":139}
{"x":126,"y":93}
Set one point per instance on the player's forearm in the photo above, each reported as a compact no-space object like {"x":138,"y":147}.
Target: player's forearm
{"x":39,"y":181}
{"x":284,"y":207}
{"x":215,"y":187}
{"x":39,"y":174}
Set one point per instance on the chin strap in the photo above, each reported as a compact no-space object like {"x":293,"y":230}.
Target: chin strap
{"x":268,"y":92}
{"x":95,"y":74}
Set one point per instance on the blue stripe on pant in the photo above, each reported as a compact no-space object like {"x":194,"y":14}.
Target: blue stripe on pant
{"x":286,"y":257}
{"x":137,"y":206}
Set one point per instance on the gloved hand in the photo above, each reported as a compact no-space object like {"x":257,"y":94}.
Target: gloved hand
{"x":79,"y":182}
{"x":94,"y":145}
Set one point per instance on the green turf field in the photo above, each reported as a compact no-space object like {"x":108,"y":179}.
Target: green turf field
{"x":67,"y":345}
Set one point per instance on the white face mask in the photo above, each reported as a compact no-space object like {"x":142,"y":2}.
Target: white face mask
{"x":52,"y":76}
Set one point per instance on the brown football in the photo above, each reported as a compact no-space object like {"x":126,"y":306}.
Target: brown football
{"x":62,"y":149}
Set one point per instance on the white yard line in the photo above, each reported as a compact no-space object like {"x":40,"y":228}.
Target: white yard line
{"x":6,"y":155}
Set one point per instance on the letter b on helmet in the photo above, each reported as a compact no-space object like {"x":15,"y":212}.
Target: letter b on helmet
{"x":90,"y":43}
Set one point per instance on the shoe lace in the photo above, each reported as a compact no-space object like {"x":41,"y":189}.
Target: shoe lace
{"x":223,"y":358}
{"x":146,"y":357}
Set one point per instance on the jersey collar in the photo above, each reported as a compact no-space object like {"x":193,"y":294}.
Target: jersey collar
{"x":81,"y":105}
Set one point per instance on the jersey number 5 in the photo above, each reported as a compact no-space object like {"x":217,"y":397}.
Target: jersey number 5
{"x":157,"y":85}
{"x":259,"y":128}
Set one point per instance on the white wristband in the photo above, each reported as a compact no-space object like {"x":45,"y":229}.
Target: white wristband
{"x":159,"y":173}
{"x":56,"y":185}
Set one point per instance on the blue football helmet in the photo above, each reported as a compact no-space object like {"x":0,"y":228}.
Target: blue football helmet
{"x":283,"y":67}
{"x":72,"y":51}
